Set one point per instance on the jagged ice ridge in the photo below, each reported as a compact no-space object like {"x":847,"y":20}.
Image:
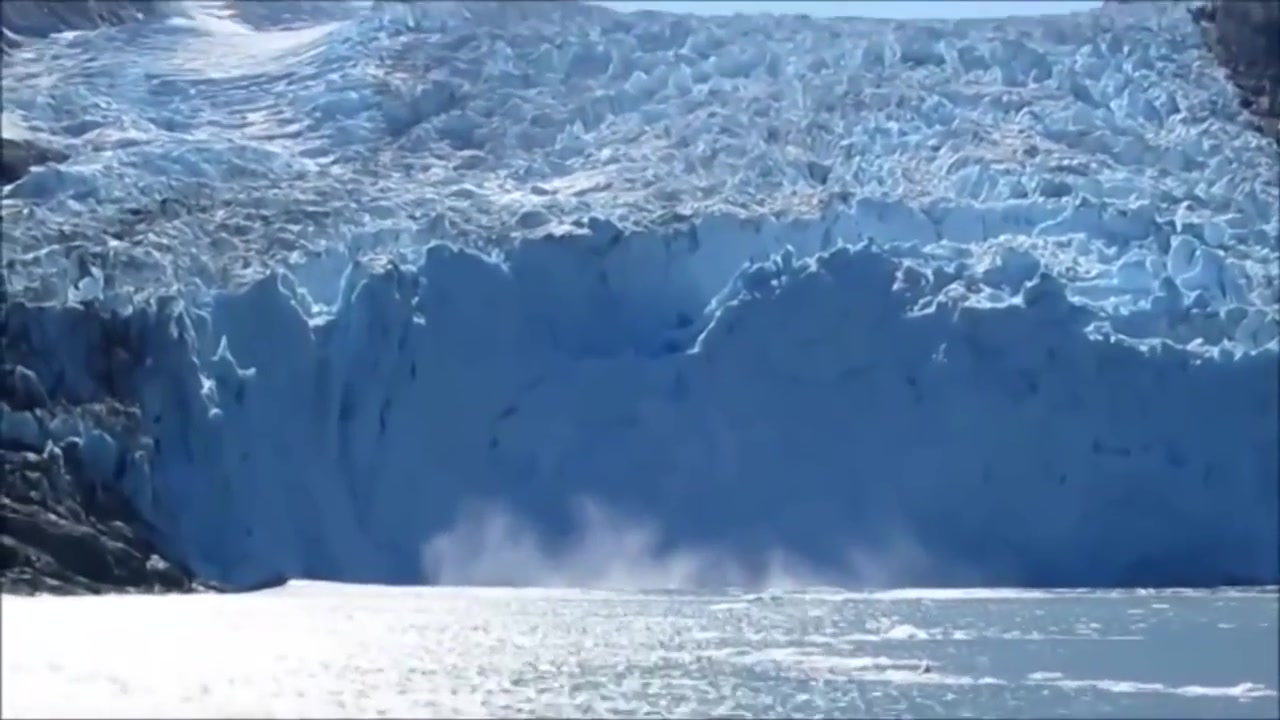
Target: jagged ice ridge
{"x":1002,"y":293}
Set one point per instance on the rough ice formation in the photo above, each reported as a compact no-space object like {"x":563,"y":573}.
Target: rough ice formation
{"x":845,"y":401}
{"x":1002,"y":292}
{"x":1105,"y":144}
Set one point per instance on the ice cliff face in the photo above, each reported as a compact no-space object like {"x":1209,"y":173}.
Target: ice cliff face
{"x":965,"y":303}
{"x":845,"y":401}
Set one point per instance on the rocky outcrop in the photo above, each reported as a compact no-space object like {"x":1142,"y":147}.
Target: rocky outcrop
{"x":58,"y":535}
{"x":29,"y":19}
{"x":65,"y":524}
{"x":1244,"y":35}
{"x":17,"y":157}
{"x":24,"y":20}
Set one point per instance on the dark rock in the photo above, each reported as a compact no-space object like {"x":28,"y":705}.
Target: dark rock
{"x":23,"y":20}
{"x":1244,"y":36}
{"x":17,"y":157}
{"x":285,"y":14}
{"x":66,"y":526}
{"x":56,"y":538}
{"x":22,"y":389}
{"x":31,"y":19}
{"x":272,"y":581}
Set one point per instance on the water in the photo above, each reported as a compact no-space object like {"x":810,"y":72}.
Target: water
{"x":316,"y":649}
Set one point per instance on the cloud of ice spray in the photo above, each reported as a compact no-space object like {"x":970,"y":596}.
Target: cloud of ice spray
{"x":491,"y":546}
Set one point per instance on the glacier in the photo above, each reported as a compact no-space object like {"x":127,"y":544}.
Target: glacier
{"x":918,"y":302}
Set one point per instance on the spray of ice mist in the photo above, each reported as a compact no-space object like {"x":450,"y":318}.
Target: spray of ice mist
{"x":491,"y":546}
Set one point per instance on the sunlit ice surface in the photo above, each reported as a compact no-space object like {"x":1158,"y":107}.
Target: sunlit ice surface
{"x":317,"y":650}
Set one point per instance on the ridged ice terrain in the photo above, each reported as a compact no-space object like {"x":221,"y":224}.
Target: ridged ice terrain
{"x":963,"y":301}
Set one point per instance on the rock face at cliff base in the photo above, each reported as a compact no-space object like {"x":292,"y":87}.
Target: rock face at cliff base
{"x":65,"y":528}
{"x":59,"y":538}
{"x":1244,"y":35}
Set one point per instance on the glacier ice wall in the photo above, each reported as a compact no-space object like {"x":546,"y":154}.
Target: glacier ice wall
{"x":816,"y":405}
{"x":1002,"y":293}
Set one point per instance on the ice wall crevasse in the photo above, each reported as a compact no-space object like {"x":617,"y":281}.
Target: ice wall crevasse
{"x":1011,"y":443}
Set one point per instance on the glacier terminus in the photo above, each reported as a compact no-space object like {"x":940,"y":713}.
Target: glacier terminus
{"x":964,"y":302}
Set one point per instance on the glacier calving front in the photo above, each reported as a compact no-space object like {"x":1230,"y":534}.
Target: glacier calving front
{"x":1004,"y":295}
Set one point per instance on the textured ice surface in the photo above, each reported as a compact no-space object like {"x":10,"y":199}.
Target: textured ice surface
{"x":983,"y":301}
{"x":1104,"y":146}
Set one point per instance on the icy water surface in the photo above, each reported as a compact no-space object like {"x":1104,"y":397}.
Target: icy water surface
{"x":317,"y":649}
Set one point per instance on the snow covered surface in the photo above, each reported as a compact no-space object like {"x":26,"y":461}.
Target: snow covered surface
{"x":948,"y":301}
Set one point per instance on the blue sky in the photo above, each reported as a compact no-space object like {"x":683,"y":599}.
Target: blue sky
{"x":861,"y":8}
